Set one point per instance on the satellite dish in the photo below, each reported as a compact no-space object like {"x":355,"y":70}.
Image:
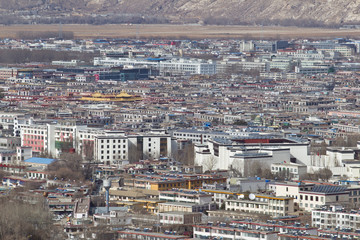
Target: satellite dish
{"x":252,"y":196}
{"x":242,"y":196}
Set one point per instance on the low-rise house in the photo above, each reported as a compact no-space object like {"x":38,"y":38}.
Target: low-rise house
{"x":182,"y":218}
{"x":185,"y":207}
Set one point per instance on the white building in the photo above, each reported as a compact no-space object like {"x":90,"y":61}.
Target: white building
{"x":228,"y":232}
{"x":184,"y":195}
{"x":263,"y":204}
{"x":184,"y":66}
{"x":335,"y":217}
{"x":290,"y":170}
{"x":243,"y":152}
{"x":310,"y":196}
{"x":111,"y":148}
{"x":151,"y":145}
{"x":180,"y":217}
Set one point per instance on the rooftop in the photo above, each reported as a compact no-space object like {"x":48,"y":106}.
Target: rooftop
{"x":38,"y":160}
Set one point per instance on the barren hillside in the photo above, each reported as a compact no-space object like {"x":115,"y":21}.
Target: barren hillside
{"x":282,"y":12}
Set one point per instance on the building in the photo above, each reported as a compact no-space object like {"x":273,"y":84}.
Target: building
{"x":182,"y":218}
{"x":335,"y":217}
{"x":186,"y":196}
{"x":309,"y":195}
{"x":180,"y":66}
{"x":111,"y":148}
{"x":151,"y":145}
{"x":240,"y":153}
{"x":263,"y":204}
{"x":185,"y":207}
{"x":229,"y":232}
{"x":290,"y":170}
{"x":139,"y":235}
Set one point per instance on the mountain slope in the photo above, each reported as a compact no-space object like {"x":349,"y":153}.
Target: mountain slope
{"x":228,"y":11}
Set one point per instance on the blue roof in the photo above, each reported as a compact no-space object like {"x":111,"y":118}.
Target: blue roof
{"x":328,"y":189}
{"x":39,"y":160}
{"x":156,"y":59}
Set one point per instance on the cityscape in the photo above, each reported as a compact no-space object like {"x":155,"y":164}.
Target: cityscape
{"x":179,"y":138}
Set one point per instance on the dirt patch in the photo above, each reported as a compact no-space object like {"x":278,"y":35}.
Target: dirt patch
{"x":182,"y":31}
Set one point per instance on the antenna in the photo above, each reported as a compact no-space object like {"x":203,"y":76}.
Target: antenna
{"x":252,"y":196}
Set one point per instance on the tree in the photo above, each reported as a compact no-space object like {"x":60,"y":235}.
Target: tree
{"x":2,"y":94}
{"x":3,"y":174}
{"x":68,"y":168}
{"x":324,"y":174}
{"x":210,"y":163}
{"x":21,"y":220}
{"x":235,"y":167}
{"x":186,"y":155}
{"x":88,"y":150}
{"x":240,"y":122}
{"x":258,"y":169}
{"x":135,"y":153}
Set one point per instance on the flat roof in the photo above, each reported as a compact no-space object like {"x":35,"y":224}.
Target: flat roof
{"x":38,"y":160}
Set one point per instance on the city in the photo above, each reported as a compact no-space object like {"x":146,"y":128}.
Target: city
{"x":156,"y":139}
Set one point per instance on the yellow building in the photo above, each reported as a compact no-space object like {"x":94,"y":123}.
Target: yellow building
{"x":121,"y":97}
{"x":196,"y":183}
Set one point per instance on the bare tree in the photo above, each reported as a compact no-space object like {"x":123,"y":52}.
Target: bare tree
{"x":88,"y":150}
{"x":135,"y":153}
{"x":235,"y":167}
{"x":21,"y":220}
{"x":186,"y":155}
{"x":322,"y":174}
{"x":68,"y":168}
{"x":210,"y":163}
{"x":258,"y":169}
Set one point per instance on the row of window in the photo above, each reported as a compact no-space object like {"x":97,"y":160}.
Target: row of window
{"x":314,"y":198}
{"x":33,"y":137}
{"x":33,"y":131}
{"x":113,"y":141}
{"x":114,"y":146}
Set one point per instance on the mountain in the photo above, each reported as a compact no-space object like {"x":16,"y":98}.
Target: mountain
{"x":283,"y":12}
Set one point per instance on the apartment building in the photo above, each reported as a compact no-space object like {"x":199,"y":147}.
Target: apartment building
{"x":151,"y":145}
{"x":224,"y":232}
{"x":6,"y":73}
{"x":185,"y":207}
{"x":139,"y":235}
{"x":241,"y":152}
{"x":180,"y":218}
{"x":7,"y":156}
{"x":183,"y":66}
{"x":36,"y":137}
{"x":290,"y":170}
{"x":331,"y":217}
{"x":262,"y":204}
{"x":310,"y":196}
{"x":198,"y":136}
{"x":111,"y":148}
{"x":184,"y":195}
